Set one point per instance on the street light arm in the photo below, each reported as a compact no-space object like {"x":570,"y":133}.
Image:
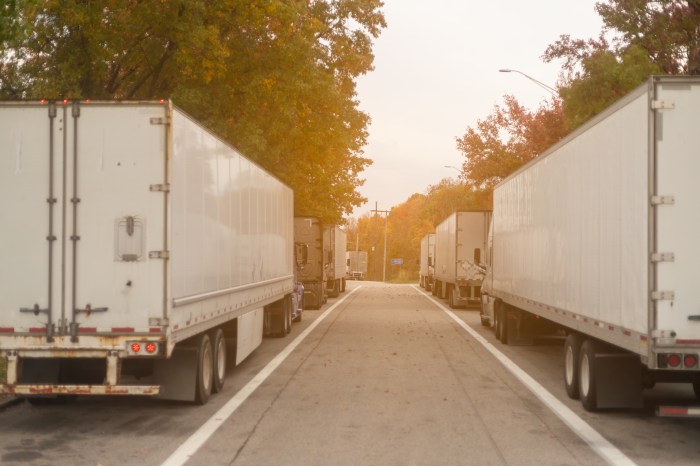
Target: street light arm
{"x":539,"y":83}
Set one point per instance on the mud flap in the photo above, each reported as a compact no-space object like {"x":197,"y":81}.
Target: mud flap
{"x":618,"y":380}
{"x":177,"y":376}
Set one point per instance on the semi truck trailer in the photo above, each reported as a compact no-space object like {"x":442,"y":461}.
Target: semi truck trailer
{"x":460,"y":241}
{"x":140,"y":251}
{"x":335,"y":242}
{"x":357,"y":262}
{"x":427,"y":261}
{"x":598,"y":236}
{"x":313,"y":275}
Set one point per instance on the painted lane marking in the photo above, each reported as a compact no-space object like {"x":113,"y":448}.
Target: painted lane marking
{"x":196,"y":440}
{"x":588,"y":434}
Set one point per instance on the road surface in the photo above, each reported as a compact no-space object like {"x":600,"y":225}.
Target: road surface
{"x":382,"y":375}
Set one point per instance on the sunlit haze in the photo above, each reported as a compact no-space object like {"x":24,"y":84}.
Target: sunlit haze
{"x":437,"y":72}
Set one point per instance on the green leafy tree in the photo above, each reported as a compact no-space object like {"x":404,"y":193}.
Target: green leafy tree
{"x":275,"y":78}
{"x":597,"y":76}
{"x":667,"y":30}
{"x":649,"y":37}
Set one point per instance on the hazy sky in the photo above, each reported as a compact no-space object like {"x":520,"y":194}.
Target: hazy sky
{"x":436,"y":73}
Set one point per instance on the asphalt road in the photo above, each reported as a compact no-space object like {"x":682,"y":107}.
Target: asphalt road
{"x":386,"y":377}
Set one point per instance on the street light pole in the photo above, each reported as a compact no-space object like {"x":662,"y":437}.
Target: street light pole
{"x":386,"y":217}
{"x":539,"y":83}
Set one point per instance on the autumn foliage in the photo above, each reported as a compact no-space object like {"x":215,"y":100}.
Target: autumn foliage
{"x":506,"y":139}
{"x":274,"y":78}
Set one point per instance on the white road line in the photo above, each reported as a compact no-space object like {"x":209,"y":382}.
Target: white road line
{"x":588,"y":434}
{"x":196,"y":440}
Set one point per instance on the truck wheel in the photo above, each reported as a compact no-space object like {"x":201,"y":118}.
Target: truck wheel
{"x":450,"y":297}
{"x":572,"y":348}
{"x":696,"y":389}
{"x":587,"y":375}
{"x":288,"y":309}
{"x":217,"y":336}
{"x":504,"y":337}
{"x":205,"y":369}
{"x":485,"y":321}
{"x":497,"y":319}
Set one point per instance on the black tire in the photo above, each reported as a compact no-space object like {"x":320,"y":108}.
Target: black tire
{"x":696,"y":389}
{"x":485,"y":321}
{"x":451,"y":297}
{"x":219,"y":366}
{"x":503,"y":324}
{"x":587,"y":376}
{"x":572,"y":348}
{"x":205,"y":369}
{"x":288,"y":309}
{"x":497,"y":319}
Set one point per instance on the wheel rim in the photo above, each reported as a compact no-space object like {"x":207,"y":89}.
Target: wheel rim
{"x":569,"y":365}
{"x":585,"y":376}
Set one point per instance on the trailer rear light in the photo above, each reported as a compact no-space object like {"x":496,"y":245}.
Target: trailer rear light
{"x":140,"y":348}
{"x":673,"y":360}
{"x":690,"y":361}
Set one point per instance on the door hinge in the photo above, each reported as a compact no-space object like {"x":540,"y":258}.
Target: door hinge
{"x":159,"y":254}
{"x":159,"y":188}
{"x":160,"y":121}
{"x":663,"y":200}
{"x":663,"y":295}
{"x":662,"y":257}
{"x":158,"y":322}
{"x":663,"y":105}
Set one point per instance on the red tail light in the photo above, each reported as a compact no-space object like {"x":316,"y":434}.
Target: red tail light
{"x":674,"y":360}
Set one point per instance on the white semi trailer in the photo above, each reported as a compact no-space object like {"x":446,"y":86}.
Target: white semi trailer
{"x":139,"y":251}
{"x":427,"y":261}
{"x":599,"y":236}
{"x":335,"y":242}
{"x":460,"y":241}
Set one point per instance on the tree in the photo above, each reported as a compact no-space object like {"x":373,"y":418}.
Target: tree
{"x":507,"y":139}
{"x":667,"y":30}
{"x":408,"y":223}
{"x":275,"y":78}
{"x":649,"y":37}
{"x":596,"y":76}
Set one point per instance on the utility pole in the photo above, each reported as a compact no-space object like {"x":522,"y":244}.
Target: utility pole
{"x":376,"y":211}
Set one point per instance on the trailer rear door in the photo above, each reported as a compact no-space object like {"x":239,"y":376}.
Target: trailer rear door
{"x":80,"y":191}
{"x":677,"y":258}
